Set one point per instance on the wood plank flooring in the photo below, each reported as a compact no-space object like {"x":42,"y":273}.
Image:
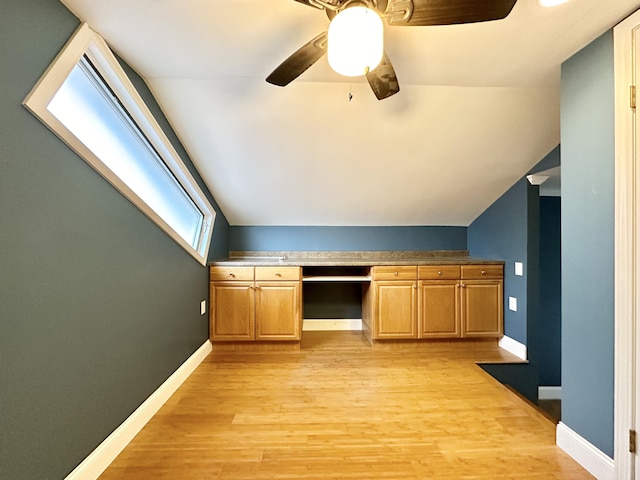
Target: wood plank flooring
{"x":340,"y":409}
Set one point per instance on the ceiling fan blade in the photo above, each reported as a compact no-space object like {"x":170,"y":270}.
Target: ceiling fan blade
{"x":383,"y":80}
{"x":307,"y":2}
{"x":299,"y":61}
{"x":447,"y":12}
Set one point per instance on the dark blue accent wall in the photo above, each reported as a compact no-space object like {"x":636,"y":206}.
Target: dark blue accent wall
{"x":501,"y":233}
{"x":550,"y":291}
{"x":98,"y":306}
{"x":274,"y":238}
{"x":588,"y":154}
{"x":509,"y":230}
{"x":551,"y":160}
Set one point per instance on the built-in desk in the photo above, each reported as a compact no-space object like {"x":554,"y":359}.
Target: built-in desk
{"x":336,"y":273}
{"x":396,"y":295}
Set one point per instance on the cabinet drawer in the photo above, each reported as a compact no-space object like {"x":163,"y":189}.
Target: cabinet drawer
{"x":278,"y":273}
{"x":479,"y":272}
{"x":439,"y":272}
{"x":217,"y":274}
{"x":395,"y":273}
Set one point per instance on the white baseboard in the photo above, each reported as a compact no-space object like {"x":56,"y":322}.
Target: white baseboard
{"x":98,"y":460}
{"x":592,"y":459}
{"x":321,"y":325}
{"x":549,"y":393}
{"x":513,"y":346}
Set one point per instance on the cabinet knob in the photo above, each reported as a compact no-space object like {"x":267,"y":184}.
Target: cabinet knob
{"x":395,"y":273}
{"x":439,"y":272}
{"x":232,"y":274}
{"x":463,"y":286}
{"x":415,"y":286}
{"x":458,"y":285}
{"x":278,"y":274}
{"x":483,"y":272}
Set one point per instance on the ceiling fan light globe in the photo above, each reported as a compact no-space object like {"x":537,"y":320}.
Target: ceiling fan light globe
{"x":355,"y":42}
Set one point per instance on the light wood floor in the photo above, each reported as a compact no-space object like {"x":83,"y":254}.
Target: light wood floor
{"x":340,"y":409}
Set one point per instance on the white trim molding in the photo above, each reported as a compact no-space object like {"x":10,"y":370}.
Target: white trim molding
{"x":592,"y":459}
{"x":337,"y":324}
{"x":98,"y":460}
{"x":549,"y":393}
{"x":513,"y":346}
{"x":626,"y":266}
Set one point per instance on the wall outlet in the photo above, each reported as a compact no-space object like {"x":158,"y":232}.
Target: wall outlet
{"x":513,"y":304}
{"x":519,"y":269}
{"x":203,"y":307}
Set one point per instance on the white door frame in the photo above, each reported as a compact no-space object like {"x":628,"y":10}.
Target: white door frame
{"x":627,"y":270}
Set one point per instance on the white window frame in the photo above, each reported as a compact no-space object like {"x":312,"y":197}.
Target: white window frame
{"x":87,"y":42}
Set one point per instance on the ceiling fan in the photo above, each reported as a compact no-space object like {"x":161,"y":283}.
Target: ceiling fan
{"x":382,"y":79}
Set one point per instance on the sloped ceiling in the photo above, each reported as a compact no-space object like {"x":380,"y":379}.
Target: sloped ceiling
{"x":479,"y":106}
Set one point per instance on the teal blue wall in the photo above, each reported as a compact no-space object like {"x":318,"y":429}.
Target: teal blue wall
{"x":587,"y":139}
{"x":263,"y":238}
{"x":510,"y":230}
{"x":98,"y":306}
{"x":500,"y":232}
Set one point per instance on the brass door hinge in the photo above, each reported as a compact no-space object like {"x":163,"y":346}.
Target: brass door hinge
{"x":632,"y":441}
{"x":632,"y":96}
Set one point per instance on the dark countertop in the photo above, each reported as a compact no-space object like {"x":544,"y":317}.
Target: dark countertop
{"x":351,"y":259}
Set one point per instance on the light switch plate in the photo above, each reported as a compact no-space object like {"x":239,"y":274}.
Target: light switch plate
{"x":513,"y":304}
{"x":203,"y":307}
{"x":519,"y":269}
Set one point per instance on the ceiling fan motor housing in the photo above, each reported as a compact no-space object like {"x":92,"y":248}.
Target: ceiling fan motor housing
{"x":378,"y":5}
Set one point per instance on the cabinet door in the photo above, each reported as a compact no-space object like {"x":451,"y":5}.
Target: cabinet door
{"x":278,"y":312}
{"x":232,"y":311}
{"x":482,"y":308}
{"x":395,"y":312}
{"x":439,"y":307}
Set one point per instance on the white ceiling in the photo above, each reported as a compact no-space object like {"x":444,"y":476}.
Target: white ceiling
{"x":479,"y":105}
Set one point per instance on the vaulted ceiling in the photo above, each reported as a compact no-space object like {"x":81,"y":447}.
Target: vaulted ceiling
{"x":479,"y":105}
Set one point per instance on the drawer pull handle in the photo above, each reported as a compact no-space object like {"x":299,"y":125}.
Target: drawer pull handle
{"x":278,"y":274}
{"x":484,"y":272}
{"x":232,"y":274}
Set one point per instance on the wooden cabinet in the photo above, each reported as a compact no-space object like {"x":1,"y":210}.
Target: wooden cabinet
{"x":439,"y":309}
{"x":395,"y":302}
{"x":277,"y":311}
{"x":232,"y":310}
{"x":261,"y":303}
{"x":448,"y":301}
{"x":482,"y":300}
